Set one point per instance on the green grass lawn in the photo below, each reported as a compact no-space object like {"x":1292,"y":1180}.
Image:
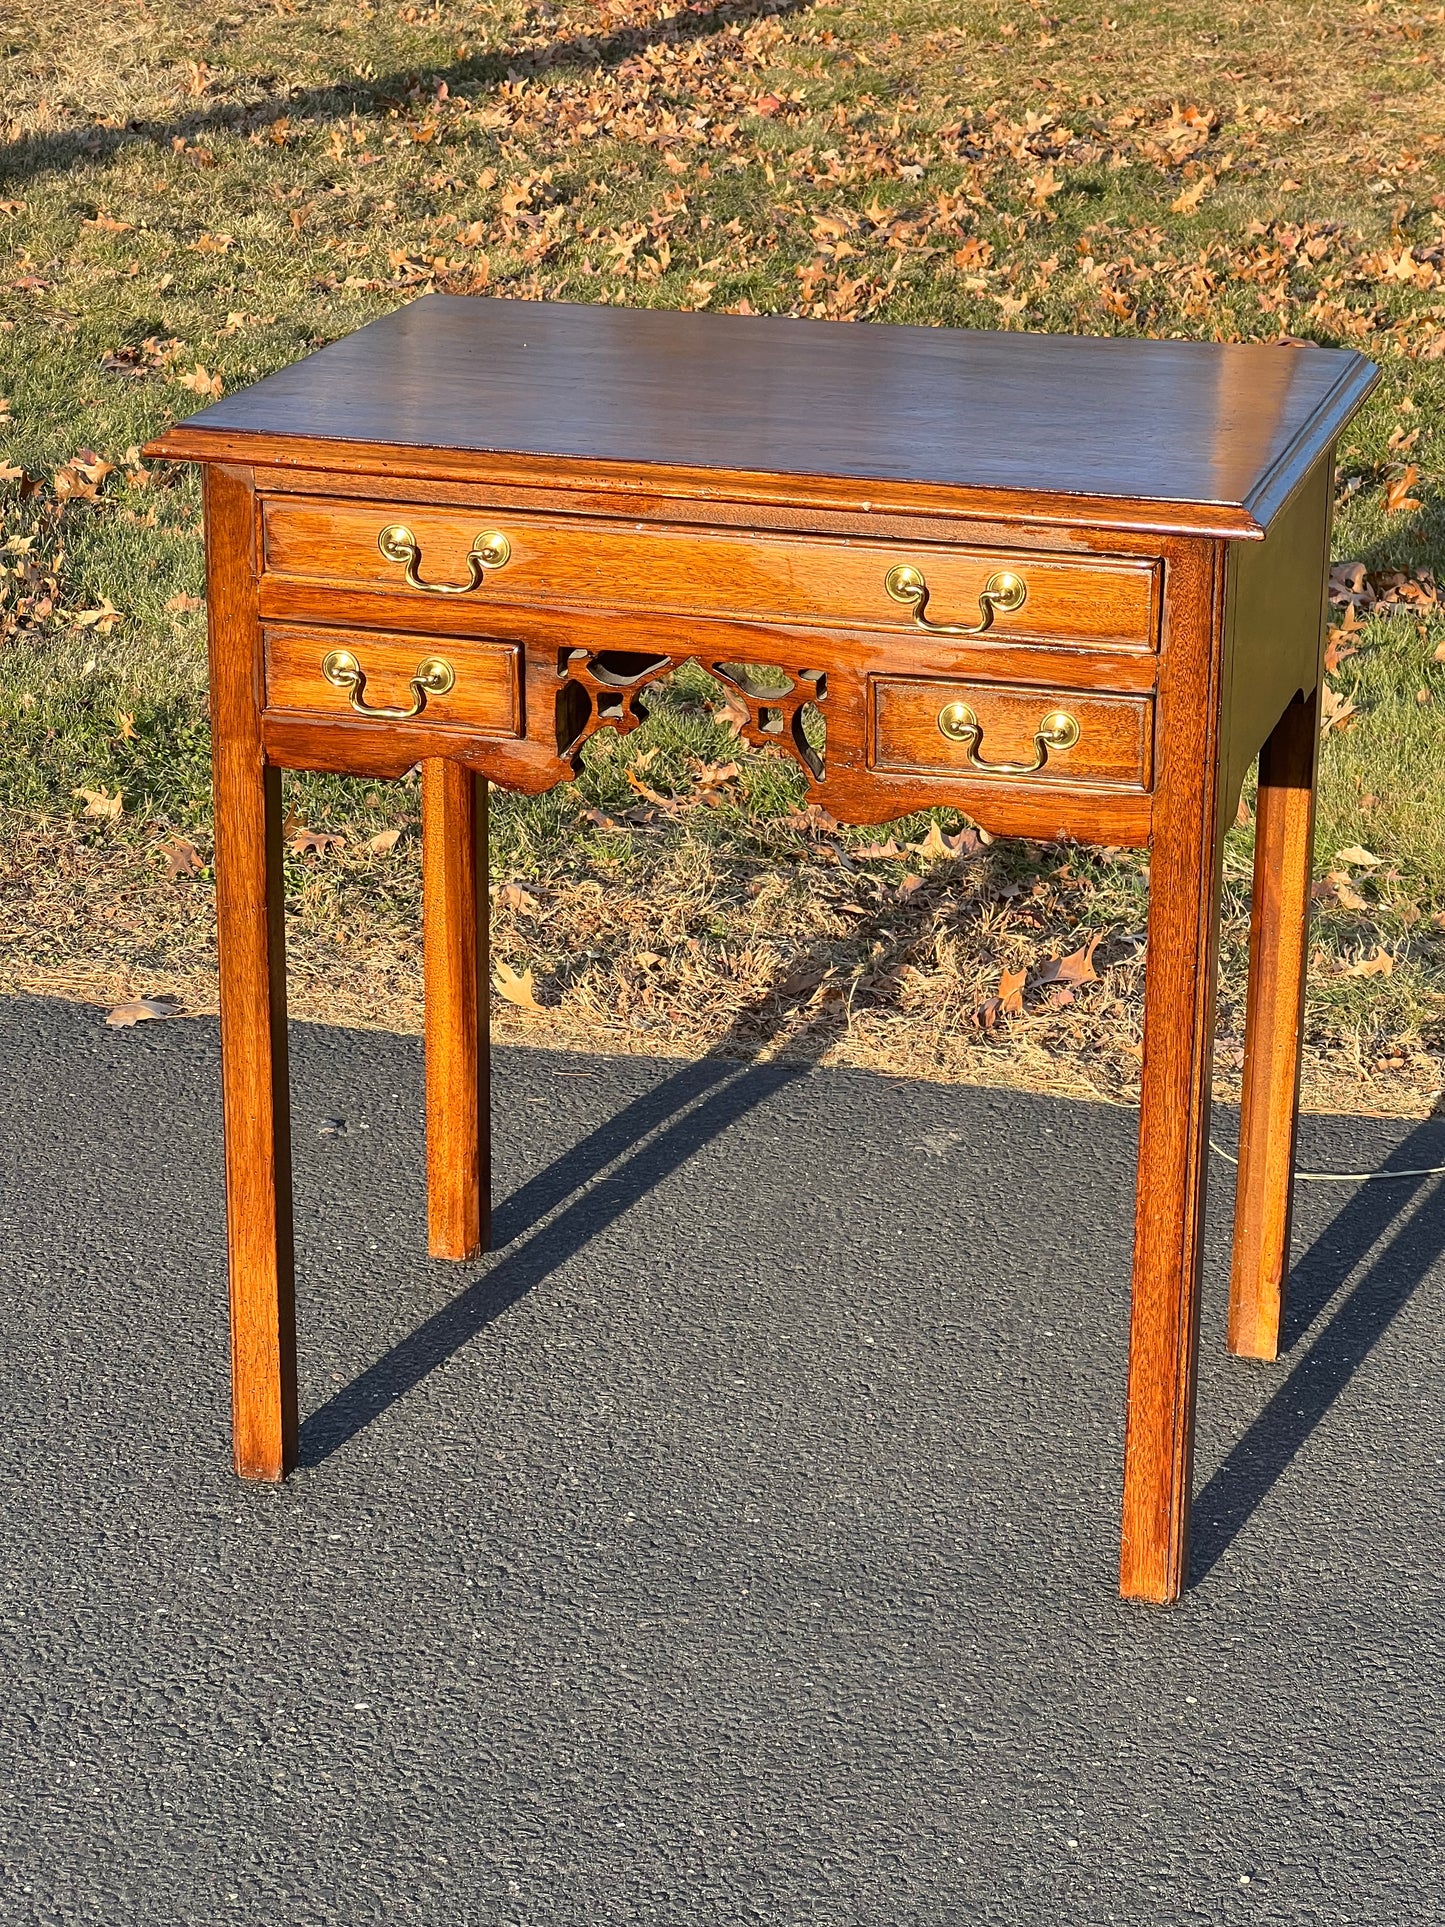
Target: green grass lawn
{"x":190,"y":198}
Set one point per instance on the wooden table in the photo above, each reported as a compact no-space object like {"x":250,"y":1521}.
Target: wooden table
{"x":1071,"y":587}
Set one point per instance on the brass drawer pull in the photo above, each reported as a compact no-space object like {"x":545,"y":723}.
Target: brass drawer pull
{"x":398,"y":544}
{"x":434,"y":677}
{"x":1003,"y":592}
{"x":1058,"y":730}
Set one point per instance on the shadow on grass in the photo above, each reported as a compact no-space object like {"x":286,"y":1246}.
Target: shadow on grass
{"x":70,"y":151}
{"x":1322,"y":1371}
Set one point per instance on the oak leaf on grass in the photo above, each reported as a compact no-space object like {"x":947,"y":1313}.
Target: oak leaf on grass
{"x":1398,"y":498}
{"x":98,"y":803}
{"x":1379,"y":963}
{"x":182,"y":857}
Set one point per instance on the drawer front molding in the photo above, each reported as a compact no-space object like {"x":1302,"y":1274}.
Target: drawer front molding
{"x":453,"y":681}
{"x":941,"y":726}
{"x":497,"y":558}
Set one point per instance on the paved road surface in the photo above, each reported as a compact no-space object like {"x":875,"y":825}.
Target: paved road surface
{"x":736,"y":1546}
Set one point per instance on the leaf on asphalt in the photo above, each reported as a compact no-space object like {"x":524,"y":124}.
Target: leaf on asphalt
{"x":517,"y":990}
{"x":1379,"y":963}
{"x":383,"y":842}
{"x":98,"y":803}
{"x":1359,"y":858}
{"x":142,"y":1010}
{"x":315,"y":842}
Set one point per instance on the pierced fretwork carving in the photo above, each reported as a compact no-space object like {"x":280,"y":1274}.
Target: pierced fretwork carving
{"x":783,"y":710}
{"x":602,"y":687}
{"x":605,"y":687}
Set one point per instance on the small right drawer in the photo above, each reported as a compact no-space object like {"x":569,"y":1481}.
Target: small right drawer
{"x":1011,"y":732}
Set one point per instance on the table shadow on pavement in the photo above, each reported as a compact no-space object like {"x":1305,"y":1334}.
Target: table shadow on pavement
{"x":736,"y":1543}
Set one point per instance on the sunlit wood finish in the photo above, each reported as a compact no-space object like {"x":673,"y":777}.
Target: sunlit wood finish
{"x":1132,"y":535}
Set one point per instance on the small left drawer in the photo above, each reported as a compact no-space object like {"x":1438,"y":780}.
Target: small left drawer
{"x":386,"y":677}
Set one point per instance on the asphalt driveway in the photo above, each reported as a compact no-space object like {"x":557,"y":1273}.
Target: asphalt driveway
{"x":736,"y":1544}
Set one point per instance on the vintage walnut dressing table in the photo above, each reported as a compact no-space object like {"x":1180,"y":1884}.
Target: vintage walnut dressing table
{"x":1072,"y":587}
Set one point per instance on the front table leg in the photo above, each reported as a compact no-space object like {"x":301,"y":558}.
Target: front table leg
{"x":250,"y":909}
{"x":1278,"y":942}
{"x":457,"y":995}
{"x":1179,"y":1002}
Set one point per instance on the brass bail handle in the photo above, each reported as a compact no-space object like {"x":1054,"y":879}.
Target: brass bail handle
{"x":434,"y":677}
{"x":1058,"y":730}
{"x":1001,"y":594}
{"x":490,"y":551}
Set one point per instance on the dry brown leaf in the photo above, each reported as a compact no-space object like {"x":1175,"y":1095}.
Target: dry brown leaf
{"x":731,"y":714}
{"x":1379,"y":963}
{"x":1011,"y":992}
{"x":1188,"y":201}
{"x":1338,"y":886}
{"x":182,"y":857}
{"x":517,"y":990}
{"x":1398,"y":498}
{"x":1338,"y":650}
{"x":185,"y":605}
{"x":1336,"y":711}
{"x":383,"y":842}
{"x":98,"y":803}
{"x":315,"y":842}
{"x":511,"y":896}
{"x":103,"y":619}
{"x":1439,"y":655}
{"x":1359,"y":858}
{"x":142,"y":1010}
{"x":1076,"y":968}
{"x":125,"y":722}
{"x":870,"y":852}
{"x":202,"y":382}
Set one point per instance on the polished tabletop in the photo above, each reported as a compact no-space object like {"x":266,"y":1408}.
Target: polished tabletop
{"x":1218,"y":427}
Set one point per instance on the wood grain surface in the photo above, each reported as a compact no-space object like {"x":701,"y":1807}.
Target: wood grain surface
{"x":1274,"y":1020}
{"x":250,"y":911}
{"x":458,"y":1000}
{"x":1179,"y":998}
{"x":1210,"y":434}
{"x":611,"y":564}
{"x":1114,"y":731}
{"x":486,"y":697}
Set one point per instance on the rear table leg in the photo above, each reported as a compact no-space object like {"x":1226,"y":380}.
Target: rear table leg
{"x":1278,"y":946}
